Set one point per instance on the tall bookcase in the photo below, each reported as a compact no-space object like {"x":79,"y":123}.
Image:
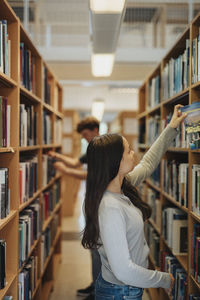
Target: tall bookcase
{"x":44,"y":101}
{"x":156,"y":100}
{"x":71,"y":147}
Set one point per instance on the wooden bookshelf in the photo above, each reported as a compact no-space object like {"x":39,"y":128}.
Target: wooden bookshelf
{"x":72,"y":148}
{"x":187,"y":93}
{"x":15,"y":91}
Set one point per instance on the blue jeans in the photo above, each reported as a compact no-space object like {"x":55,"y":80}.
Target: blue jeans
{"x":108,"y":291}
{"x":96,"y":265}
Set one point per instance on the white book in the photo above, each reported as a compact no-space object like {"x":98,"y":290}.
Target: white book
{"x":176,"y":235}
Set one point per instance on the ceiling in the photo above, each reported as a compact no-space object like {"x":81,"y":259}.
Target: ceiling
{"x":62,"y":31}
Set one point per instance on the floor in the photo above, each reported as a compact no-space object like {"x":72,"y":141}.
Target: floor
{"x":75,"y":268}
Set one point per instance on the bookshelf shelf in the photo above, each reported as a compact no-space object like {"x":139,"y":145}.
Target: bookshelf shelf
{"x":29,"y":148}
{"x":31,"y":251}
{"x":178,"y":149}
{"x":23,"y":88}
{"x":195,"y":216}
{"x":8,"y":150}
{"x":9,"y":280}
{"x":172,"y":200}
{"x":176,"y":98}
{"x":49,"y":219}
{"x":151,"y":184}
{"x":195,"y":282}
{"x":5,"y":221}
{"x":29,"y":201}
{"x":29,"y":94}
{"x":154,"y":109}
{"x":155,"y":226}
{"x":7,"y":81}
{"x":176,"y":86}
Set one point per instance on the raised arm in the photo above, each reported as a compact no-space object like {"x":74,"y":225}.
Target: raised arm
{"x":152,"y":158}
{"x":76,"y":173}
{"x":68,"y":161}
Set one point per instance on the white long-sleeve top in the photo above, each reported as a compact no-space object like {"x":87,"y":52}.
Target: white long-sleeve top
{"x":124,"y":251}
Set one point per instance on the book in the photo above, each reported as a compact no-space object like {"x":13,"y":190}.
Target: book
{"x":192,"y":124}
{"x":2,"y":264}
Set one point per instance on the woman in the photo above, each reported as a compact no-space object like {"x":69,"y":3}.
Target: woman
{"x":115,"y":214}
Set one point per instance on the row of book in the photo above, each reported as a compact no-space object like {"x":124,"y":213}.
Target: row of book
{"x":152,"y":198}
{"x":170,"y":264}
{"x":47,"y":239}
{"x":28,"y":177}
{"x":49,"y":200}
{"x":46,"y":86}
{"x":29,"y":229}
{"x":196,"y":59}
{"x":153,"y":91}
{"x":175,"y":180}
{"x":5,"y":48}
{"x":27,"y":126}
{"x":5,"y":115}
{"x":175,"y":75}
{"x":195,"y":253}
{"x":27,"y":278}
{"x":4,"y":193}
{"x":47,"y":128}
{"x":174,"y":229}
{"x":155,"y":176}
{"x":48,"y":169}
{"x":196,"y":188}
{"x":154,"y":127}
{"x":153,"y":240}
{"x":27,"y":68}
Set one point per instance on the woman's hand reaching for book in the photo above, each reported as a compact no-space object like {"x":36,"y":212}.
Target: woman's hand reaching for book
{"x":177,"y":117}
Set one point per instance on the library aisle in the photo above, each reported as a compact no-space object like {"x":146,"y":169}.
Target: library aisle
{"x":74,"y":270}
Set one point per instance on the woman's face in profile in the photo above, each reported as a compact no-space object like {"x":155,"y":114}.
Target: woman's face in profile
{"x":128,"y":159}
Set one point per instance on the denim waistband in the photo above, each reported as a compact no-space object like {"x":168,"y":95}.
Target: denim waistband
{"x":115,"y":288}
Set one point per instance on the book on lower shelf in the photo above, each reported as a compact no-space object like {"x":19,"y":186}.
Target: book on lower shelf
{"x":27,"y":126}
{"x":2,"y":264}
{"x":5,"y":122}
{"x":48,"y":169}
{"x":195,"y":252}
{"x":28,"y":278}
{"x":174,"y":229}
{"x":4,"y":193}
{"x":170,"y":264}
{"x":5,"y":47}
{"x":27,"y":68}
{"x":196,"y":188}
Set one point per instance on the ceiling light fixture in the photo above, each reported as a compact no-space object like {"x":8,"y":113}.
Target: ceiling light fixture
{"x":102,"y":64}
{"x":107,"y":6}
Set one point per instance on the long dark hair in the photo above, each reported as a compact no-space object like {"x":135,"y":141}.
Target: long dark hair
{"x":104,"y":154}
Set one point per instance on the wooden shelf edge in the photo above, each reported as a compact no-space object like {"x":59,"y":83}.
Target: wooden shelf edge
{"x":29,"y":148}
{"x":149,"y":182}
{"x":151,"y":110}
{"x":49,"y":219}
{"x":9,"y":280}
{"x":32,"y":249}
{"x":7,"y":81}
{"x":172,"y":200}
{"x":155,"y":226}
{"x":195,"y":282}
{"x":29,"y":201}
{"x":36,"y":288}
{"x":176,"y":97}
{"x":7,"y":150}
{"x":5,"y":221}
{"x":195,"y":216}
{"x":29,"y":94}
